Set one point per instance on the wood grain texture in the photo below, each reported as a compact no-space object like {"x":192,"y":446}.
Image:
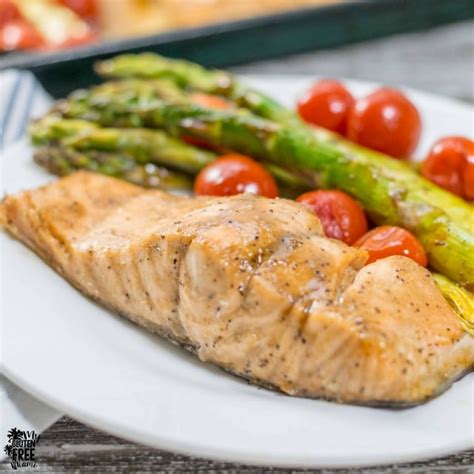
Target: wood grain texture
{"x":70,"y":446}
{"x":439,"y":61}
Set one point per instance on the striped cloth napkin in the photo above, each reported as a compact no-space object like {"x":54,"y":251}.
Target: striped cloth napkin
{"x":21,"y":99}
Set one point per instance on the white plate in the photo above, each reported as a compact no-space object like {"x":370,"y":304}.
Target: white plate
{"x":107,"y":372}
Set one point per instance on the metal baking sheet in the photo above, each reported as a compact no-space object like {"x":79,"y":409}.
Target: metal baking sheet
{"x":230,"y":43}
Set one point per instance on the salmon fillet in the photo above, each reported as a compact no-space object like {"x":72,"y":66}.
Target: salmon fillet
{"x":252,"y":285}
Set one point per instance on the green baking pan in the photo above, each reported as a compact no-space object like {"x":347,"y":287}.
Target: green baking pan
{"x":229,"y":43}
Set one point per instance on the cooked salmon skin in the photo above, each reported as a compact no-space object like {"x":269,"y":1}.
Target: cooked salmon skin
{"x":252,"y":285}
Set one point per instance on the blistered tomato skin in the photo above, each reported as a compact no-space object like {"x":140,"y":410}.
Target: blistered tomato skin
{"x":19,"y":34}
{"x":468,"y":175}
{"x":8,"y":12}
{"x":386,"y":241}
{"x":211,"y":101}
{"x":450,"y":165}
{"x":235,"y":174}
{"x":385,"y":121}
{"x":326,"y":105}
{"x":83,"y":8}
{"x":341,"y":216}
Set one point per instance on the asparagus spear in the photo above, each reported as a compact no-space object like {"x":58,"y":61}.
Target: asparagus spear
{"x":389,"y":190}
{"x":153,"y":66}
{"x":145,"y":145}
{"x":128,"y":90}
{"x":461,"y":300}
{"x":62,"y":160}
{"x":193,"y":76}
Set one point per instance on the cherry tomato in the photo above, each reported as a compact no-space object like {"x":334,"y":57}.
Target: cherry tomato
{"x":386,"y":241}
{"x":450,"y":164}
{"x":234,"y":174}
{"x":468,"y":175}
{"x":19,"y":34}
{"x":342,"y":218}
{"x":8,"y":12}
{"x":385,"y":121}
{"x":83,"y":8}
{"x":326,"y":104}
{"x":210,"y":101}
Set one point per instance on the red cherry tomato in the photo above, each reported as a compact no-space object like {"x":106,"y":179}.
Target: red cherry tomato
{"x":210,"y":101}
{"x":342,"y":218}
{"x":386,"y":241}
{"x":450,"y":164}
{"x":19,"y":34}
{"x":234,"y":174}
{"x":8,"y":12}
{"x":385,"y":121}
{"x":326,"y":104}
{"x":84,"y":8}
{"x":468,"y":175}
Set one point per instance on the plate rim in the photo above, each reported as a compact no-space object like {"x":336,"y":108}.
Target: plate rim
{"x":237,"y":456}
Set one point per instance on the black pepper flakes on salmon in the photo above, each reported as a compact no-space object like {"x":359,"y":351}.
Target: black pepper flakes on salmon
{"x":251,"y":285}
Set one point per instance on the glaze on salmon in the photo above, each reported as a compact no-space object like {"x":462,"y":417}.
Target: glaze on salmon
{"x":252,"y":285}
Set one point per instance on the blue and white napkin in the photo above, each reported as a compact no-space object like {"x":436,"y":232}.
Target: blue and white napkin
{"x":21,"y":98}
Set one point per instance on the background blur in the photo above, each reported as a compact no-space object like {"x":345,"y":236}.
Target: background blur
{"x":54,"y":24}
{"x":63,"y":38}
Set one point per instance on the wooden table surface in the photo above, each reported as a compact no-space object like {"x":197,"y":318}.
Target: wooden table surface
{"x":440,"y":61}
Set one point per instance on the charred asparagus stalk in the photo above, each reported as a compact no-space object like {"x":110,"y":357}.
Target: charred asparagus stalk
{"x":142,"y":145}
{"x":193,"y":76}
{"x":389,"y":190}
{"x":145,"y":146}
{"x":61,"y":161}
{"x":153,"y":66}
